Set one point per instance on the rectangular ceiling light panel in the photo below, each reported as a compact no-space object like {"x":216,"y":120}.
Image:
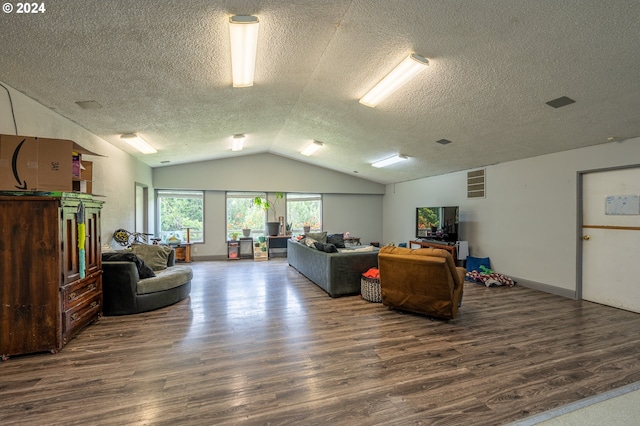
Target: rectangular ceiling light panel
{"x":389,"y":161}
{"x":404,"y":72}
{"x":243,"y":31}
{"x":238,"y":142}
{"x":311,"y":148}
{"x":138,"y":143}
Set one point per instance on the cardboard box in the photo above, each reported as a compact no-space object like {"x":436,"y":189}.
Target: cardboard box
{"x":87,"y":176}
{"x":35,"y":164}
{"x":85,"y":182}
{"x":18,"y":163}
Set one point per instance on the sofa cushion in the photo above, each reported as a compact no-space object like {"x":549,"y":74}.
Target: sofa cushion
{"x":357,"y":249}
{"x":143,"y":270}
{"x":154,"y":256}
{"x":336,"y":239}
{"x":166,"y":279}
{"x":318,"y":236}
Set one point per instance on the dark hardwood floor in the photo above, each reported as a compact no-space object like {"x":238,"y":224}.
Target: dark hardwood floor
{"x":257,"y":343}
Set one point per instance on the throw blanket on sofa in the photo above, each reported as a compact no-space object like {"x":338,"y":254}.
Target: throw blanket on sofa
{"x":492,"y":279}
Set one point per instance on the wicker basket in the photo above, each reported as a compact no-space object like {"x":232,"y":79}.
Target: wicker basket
{"x":370,"y":289}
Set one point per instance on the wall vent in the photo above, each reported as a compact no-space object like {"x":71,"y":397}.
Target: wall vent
{"x":476,"y":184}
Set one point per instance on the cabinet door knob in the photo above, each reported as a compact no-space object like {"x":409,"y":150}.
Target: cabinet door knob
{"x":586,"y":237}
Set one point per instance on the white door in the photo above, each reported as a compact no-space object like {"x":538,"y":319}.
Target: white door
{"x":611,"y":238}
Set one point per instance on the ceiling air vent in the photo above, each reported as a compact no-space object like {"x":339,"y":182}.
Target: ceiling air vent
{"x":560,"y":102}
{"x":89,"y":104}
{"x":475,"y":184}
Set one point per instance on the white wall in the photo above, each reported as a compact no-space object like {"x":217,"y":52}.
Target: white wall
{"x":215,"y":231}
{"x":261,"y":172}
{"x":527,"y":223}
{"x":358,"y":214}
{"x":349,"y":203}
{"x":114,"y":174}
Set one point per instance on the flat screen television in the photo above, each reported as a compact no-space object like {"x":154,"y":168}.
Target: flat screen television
{"x":437,"y":223}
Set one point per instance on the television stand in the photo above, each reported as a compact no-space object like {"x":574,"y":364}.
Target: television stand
{"x":425,"y":243}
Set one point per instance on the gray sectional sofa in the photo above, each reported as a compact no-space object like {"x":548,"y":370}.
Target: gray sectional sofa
{"x":336,"y":273}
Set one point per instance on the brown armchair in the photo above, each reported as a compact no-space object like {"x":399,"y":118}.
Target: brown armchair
{"x":424,"y":280}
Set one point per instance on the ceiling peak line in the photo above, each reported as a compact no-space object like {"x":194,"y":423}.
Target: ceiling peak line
{"x":295,"y":105}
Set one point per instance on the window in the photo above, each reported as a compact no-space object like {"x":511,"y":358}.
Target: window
{"x":304,"y":210}
{"x":241,"y":214}
{"x":178,"y":210}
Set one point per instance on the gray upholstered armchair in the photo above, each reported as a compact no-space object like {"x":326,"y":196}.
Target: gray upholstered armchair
{"x":128,"y":287}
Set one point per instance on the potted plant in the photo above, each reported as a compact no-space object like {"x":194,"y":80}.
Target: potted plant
{"x":266,"y":205}
{"x":234,"y":236}
{"x":288,"y":228}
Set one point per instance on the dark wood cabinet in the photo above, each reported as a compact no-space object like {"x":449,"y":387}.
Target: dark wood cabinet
{"x":49,"y":289}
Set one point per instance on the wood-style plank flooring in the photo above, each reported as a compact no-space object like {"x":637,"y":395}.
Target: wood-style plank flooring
{"x":256,"y":343}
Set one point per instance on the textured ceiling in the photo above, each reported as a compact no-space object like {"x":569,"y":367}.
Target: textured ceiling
{"x":162,"y":68}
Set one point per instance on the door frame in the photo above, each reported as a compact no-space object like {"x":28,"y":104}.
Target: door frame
{"x":580,"y":222}
{"x":145,"y":208}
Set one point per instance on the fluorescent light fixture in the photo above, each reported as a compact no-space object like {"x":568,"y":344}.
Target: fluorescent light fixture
{"x":311,"y":148}
{"x":238,"y":142}
{"x":404,"y":72}
{"x":243,"y":31}
{"x":138,"y":143}
{"x":389,"y":161}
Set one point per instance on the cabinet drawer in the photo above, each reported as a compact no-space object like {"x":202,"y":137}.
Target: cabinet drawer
{"x":80,"y":315}
{"x":76,"y":292}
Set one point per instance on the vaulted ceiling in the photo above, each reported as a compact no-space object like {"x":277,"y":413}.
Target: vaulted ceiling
{"x":162,"y":68}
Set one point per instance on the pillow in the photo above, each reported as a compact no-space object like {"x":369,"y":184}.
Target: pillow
{"x":336,"y":239}
{"x":143,"y":270}
{"x":309,"y":242}
{"x":474,"y":263}
{"x":106,"y":248}
{"x":154,"y":256}
{"x":330,"y":248}
{"x":327,"y":248}
{"x":318,"y":236}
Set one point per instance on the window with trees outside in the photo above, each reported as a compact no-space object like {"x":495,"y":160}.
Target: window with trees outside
{"x":304,"y":210}
{"x":241,"y":214}
{"x":179,"y":210}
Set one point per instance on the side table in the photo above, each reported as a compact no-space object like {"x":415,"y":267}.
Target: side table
{"x":355,"y":241}
{"x":183,"y":252}
{"x":277,"y":242}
